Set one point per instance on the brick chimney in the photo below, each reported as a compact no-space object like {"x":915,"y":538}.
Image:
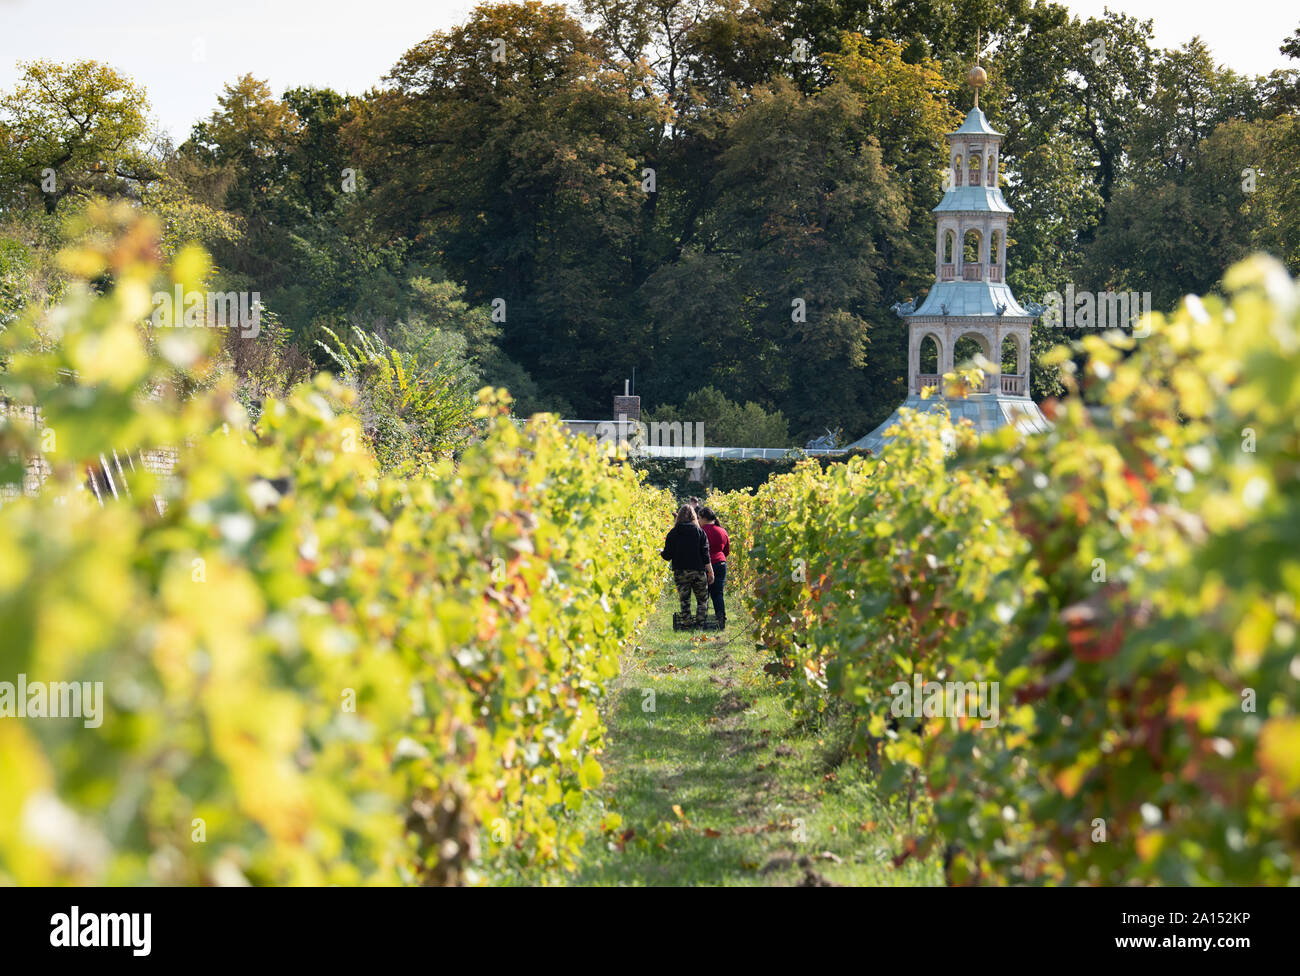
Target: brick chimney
{"x":627,"y":408}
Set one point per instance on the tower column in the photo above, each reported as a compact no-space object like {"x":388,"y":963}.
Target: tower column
{"x":997,"y":358}
{"x":984,"y":248}
{"x":913,"y":361}
{"x":1023,"y":368}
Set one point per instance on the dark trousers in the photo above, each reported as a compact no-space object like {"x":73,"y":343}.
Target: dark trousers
{"x":715,"y":590}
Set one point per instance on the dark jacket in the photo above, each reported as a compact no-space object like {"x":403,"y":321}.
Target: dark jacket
{"x":687,"y":546}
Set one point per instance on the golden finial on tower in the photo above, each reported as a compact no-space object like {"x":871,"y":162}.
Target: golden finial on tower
{"x":978,"y":77}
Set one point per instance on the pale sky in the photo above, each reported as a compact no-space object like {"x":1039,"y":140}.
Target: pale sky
{"x":183,"y":52}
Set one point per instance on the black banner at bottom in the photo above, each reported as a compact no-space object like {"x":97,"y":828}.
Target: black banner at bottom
{"x":140,"y":926}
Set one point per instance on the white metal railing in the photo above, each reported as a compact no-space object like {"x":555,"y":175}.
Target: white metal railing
{"x":106,"y":476}
{"x":759,"y":453}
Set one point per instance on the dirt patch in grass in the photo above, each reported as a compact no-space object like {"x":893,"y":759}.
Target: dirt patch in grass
{"x":730,"y":704}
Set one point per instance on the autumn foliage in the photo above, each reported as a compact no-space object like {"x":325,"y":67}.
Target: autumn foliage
{"x":1129,"y":579}
{"x":314,"y":672}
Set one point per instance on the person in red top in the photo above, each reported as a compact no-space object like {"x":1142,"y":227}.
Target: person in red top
{"x":719,"y":550}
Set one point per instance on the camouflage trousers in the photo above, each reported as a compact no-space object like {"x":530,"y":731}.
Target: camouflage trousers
{"x":692,"y":581}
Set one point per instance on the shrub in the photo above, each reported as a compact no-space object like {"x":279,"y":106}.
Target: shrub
{"x":1128,"y":579}
{"x":349,"y":678}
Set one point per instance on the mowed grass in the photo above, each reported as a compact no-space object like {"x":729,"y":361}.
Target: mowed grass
{"x":717,"y":784}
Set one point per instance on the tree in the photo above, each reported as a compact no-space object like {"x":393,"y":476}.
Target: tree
{"x":775,"y":300}
{"x":943,"y":30}
{"x":727,"y":424}
{"x":71,"y":134}
{"x":75,"y":130}
{"x":282,"y":167}
{"x":1186,"y":206}
{"x":1192,"y":96}
{"x":1229,"y":194}
{"x":513,"y":171}
{"x":316,"y":157}
{"x":1283,"y":85}
{"x":247,"y":141}
{"x":442,"y":327}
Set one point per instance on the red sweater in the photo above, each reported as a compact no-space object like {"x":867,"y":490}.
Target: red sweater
{"x":719,"y":543}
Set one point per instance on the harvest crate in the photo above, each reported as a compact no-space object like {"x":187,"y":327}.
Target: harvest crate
{"x":688,"y":621}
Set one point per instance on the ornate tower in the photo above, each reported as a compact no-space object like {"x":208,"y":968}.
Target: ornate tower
{"x":970,"y":299}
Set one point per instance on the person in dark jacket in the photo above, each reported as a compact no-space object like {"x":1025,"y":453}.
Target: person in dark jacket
{"x":719,"y":550}
{"x":687,"y":547}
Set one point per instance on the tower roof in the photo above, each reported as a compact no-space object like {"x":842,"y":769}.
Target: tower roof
{"x":973,"y":199}
{"x":976,"y":124}
{"x":970,"y":298}
{"x":986,"y":413}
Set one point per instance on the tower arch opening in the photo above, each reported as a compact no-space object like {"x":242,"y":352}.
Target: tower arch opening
{"x":928,"y":359}
{"x":969,"y":346}
{"x":972,"y":240}
{"x":1011,"y":355}
{"x":1014,"y":380}
{"x":929,"y":362}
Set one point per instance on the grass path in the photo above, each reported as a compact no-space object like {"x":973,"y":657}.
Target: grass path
{"x":716,"y":784}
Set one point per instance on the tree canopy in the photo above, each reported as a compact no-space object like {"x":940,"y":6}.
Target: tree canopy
{"x":715,"y":193}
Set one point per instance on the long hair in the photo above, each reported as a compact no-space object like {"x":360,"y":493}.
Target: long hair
{"x":686,"y":516}
{"x":707,"y":514}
